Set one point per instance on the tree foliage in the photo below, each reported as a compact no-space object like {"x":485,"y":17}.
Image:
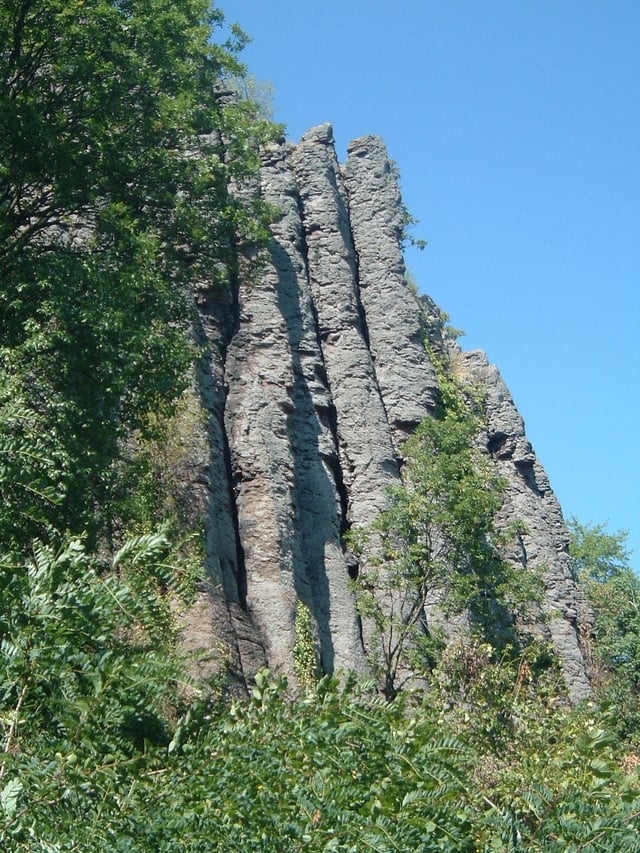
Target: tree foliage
{"x":88,"y":679}
{"x":597,"y":555}
{"x":601,"y":563}
{"x":436,"y":547}
{"x":341,"y":769}
{"x":116,"y":156}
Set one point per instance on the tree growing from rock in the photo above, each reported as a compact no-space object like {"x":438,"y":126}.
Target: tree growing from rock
{"x":436,"y":549}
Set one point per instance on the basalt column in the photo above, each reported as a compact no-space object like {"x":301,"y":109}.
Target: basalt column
{"x":405,"y":376}
{"x":284,"y":456}
{"x":542,"y":547}
{"x":368,"y":458}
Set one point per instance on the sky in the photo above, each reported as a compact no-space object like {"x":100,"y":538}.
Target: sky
{"x":515,"y":125}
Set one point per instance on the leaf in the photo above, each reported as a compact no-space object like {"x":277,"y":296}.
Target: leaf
{"x":602,"y":769}
{"x":9,"y":797}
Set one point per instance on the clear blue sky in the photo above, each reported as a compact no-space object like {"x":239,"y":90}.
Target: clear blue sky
{"x":516,"y":128}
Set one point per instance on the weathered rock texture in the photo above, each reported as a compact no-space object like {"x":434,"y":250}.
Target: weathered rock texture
{"x":543,"y":546}
{"x":312,"y":377}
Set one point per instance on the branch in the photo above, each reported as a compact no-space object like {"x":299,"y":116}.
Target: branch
{"x":13,"y":728}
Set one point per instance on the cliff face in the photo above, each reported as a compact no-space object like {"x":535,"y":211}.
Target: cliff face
{"x":312,"y":377}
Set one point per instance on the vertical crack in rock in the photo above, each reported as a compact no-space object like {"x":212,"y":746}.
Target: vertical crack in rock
{"x":405,"y":376}
{"x":216,"y":627}
{"x":543,"y":548}
{"x":327,"y":414}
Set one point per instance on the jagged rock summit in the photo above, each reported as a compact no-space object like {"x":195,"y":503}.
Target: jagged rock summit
{"x":313,"y":376}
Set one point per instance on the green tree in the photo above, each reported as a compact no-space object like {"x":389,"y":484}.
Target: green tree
{"x":101,"y":101}
{"x":116,"y":155}
{"x":437,"y":546}
{"x":597,"y":555}
{"x":601,"y":562}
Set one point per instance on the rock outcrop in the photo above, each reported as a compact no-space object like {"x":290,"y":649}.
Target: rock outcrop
{"x":543,"y":545}
{"x":313,"y":376}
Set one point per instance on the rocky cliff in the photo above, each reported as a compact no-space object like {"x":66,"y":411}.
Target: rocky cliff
{"x":313,"y":374}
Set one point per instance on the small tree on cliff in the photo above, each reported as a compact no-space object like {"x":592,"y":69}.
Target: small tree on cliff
{"x":436,"y":546}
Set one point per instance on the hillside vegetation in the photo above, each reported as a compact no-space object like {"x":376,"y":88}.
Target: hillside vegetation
{"x":116,"y":157}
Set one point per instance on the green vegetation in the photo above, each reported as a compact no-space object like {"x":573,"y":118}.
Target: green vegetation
{"x":436,"y":548}
{"x":115,"y":160}
{"x":601,"y":563}
{"x":338,"y":770}
{"x":304,"y":652}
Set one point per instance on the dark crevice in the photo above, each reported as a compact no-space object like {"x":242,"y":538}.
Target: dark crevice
{"x":329,"y":416}
{"x":353,"y":566}
{"x":496,"y":441}
{"x":347,"y":233}
{"x":526,"y":470}
{"x":241,"y":571}
{"x":362,"y":316}
{"x":221,"y":317}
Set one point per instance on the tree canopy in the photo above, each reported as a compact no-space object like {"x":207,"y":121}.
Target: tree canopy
{"x":602,"y":564}
{"x":116,"y":156}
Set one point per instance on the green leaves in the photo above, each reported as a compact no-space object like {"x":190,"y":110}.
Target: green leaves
{"x":597,"y":555}
{"x":436,"y":546}
{"x":31,"y":484}
{"x":9,"y":797}
{"x":116,"y":156}
{"x":87,"y":682}
{"x":612,"y":588}
{"x":341,"y":770}
{"x":95,"y":90}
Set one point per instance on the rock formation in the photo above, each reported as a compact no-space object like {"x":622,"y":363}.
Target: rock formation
{"x":313,"y":374}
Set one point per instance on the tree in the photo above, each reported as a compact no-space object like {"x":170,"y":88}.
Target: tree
{"x":597,"y":555}
{"x":102,"y":100}
{"x":116,"y":156}
{"x":436,"y":546}
{"x":601,"y":564}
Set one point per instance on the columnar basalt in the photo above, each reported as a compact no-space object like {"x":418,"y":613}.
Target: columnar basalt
{"x":543,"y":544}
{"x":368,"y":459}
{"x":315,"y":375}
{"x":406,"y":377}
{"x":283,"y":451}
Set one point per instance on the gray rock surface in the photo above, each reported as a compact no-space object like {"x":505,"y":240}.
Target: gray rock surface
{"x":313,"y":375}
{"x":218,"y":618}
{"x":368,"y":459}
{"x":406,"y":377}
{"x":283,"y":450}
{"x":544,"y":546}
